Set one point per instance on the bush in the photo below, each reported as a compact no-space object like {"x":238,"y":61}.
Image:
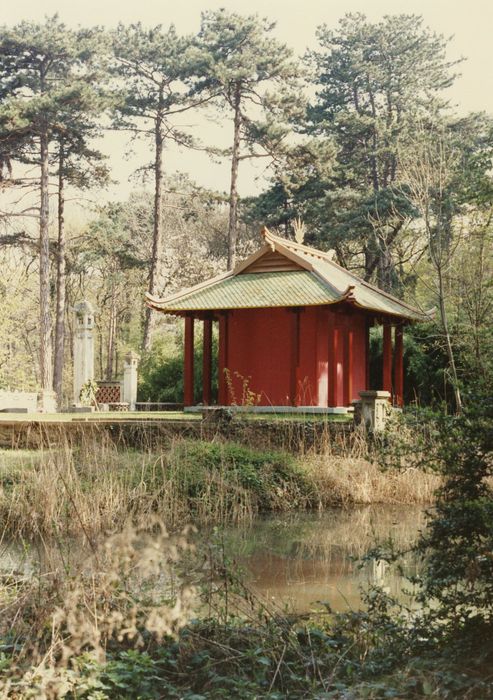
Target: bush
{"x":225,"y":470}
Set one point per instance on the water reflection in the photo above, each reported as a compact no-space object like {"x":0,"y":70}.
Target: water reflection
{"x":292,"y":560}
{"x":305,"y":558}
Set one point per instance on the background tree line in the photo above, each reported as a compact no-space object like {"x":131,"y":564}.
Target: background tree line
{"x":359,"y":140}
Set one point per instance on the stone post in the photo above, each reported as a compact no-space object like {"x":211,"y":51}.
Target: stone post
{"x":375,"y":409}
{"x":130,"y":379}
{"x":83,"y":347}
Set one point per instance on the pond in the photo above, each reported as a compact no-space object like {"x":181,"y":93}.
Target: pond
{"x":299,"y":559}
{"x":290,"y":560}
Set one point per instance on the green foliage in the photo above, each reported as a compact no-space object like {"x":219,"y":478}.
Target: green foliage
{"x":445,"y":639}
{"x":161,"y":371}
{"x":457,"y":586}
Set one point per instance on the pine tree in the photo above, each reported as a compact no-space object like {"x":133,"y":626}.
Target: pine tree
{"x":374,"y":80}
{"x":256,"y":78}
{"x":43,"y":78}
{"x":156,"y":70}
{"x":78,"y":165}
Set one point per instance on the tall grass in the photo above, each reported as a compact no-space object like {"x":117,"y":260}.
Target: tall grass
{"x":95,"y":487}
{"x":352,"y":480}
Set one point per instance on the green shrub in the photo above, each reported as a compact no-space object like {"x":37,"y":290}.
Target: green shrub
{"x":272,"y":479}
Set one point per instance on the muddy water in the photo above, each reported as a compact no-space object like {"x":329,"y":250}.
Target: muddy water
{"x":305,"y":558}
{"x":291,"y":560}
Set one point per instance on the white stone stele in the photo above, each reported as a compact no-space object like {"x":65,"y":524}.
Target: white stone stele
{"x":83,"y":346}
{"x":130,"y":379}
{"x":375,"y":409}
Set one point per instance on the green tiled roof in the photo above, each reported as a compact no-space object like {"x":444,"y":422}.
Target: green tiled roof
{"x":250,"y":291}
{"x":318,"y":281}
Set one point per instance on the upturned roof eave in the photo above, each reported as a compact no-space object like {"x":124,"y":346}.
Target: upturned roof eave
{"x":377,"y":312}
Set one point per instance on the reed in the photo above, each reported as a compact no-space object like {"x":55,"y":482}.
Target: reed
{"x":120,"y":596}
{"x":95,"y":488}
{"x":355,"y":480}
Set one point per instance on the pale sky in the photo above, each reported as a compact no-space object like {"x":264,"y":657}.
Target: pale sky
{"x":470,"y":23}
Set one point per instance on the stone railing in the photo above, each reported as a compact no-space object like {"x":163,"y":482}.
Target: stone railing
{"x":18,"y":401}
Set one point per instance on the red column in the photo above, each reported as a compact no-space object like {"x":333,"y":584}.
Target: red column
{"x":295,"y":356}
{"x":207,"y":362}
{"x":367,"y":354}
{"x":333,"y":348}
{"x":348,"y":363}
{"x":387,"y":357}
{"x":399,"y":365}
{"x":322,"y":357}
{"x":223,"y":359}
{"x":188,"y":368}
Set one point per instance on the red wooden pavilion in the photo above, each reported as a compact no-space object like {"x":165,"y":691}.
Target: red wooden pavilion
{"x":293,"y":330}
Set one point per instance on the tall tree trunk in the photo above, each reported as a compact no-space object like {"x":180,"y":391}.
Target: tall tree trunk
{"x":448,"y":341}
{"x":60,"y":286}
{"x":157,"y":238}
{"x":45,"y":349}
{"x":233,"y":193}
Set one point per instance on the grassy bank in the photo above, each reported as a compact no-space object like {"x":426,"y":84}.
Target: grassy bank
{"x":96,"y":487}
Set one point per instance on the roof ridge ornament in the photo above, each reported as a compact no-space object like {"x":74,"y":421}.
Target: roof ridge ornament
{"x":299,"y":230}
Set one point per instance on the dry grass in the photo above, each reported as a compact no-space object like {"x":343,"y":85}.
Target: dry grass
{"x":123,"y":595}
{"x":350,"y":471}
{"x":350,"y":480}
{"x":95,"y":488}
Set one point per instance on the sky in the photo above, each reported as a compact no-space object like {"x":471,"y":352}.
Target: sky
{"x":468,"y":23}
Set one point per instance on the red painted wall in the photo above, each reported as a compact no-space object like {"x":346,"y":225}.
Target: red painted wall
{"x":259,"y":355}
{"x":261,"y":346}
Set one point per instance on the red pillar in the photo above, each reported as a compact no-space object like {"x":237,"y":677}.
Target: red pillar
{"x":348,"y":363}
{"x":333,"y":348}
{"x":188,"y":368}
{"x":207,"y":362}
{"x":387,"y":357}
{"x":323,"y":378}
{"x":367,"y":354}
{"x":399,"y":365}
{"x":223,"y":359}
{"x":295,"y":356}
